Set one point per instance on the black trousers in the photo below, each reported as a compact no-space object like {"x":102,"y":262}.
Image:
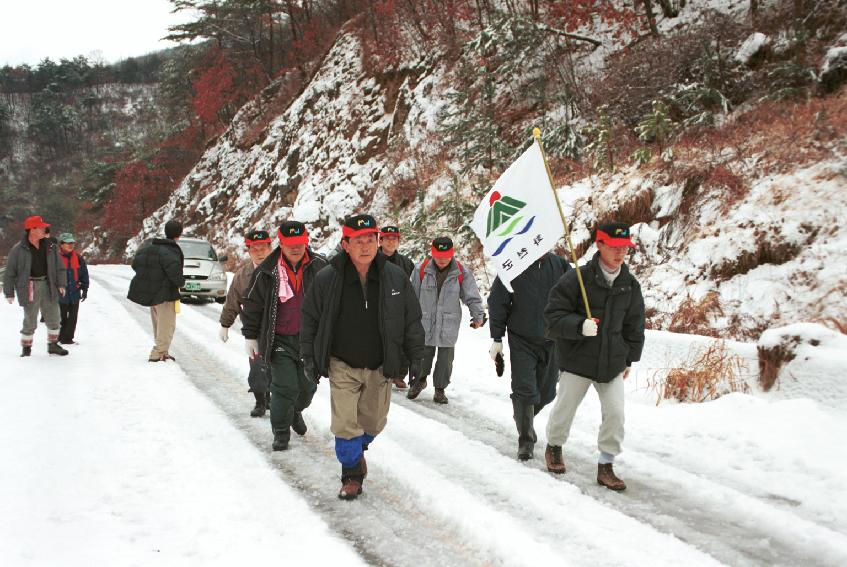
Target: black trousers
{"x":69,"y":312}
{"x":535,"y":372}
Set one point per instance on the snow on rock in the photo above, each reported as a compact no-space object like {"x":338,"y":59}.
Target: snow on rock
{"x":751,"y":46}
{"x":810,"y":360}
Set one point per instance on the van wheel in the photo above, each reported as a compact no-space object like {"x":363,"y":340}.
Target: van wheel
{"x":220,"y":300}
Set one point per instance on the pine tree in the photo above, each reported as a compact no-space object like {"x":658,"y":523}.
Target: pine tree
{"x":601,"y":148}
{"x":656,"y":126}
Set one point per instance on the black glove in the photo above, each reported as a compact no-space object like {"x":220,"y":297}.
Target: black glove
{"x":311,"y":370}
{"x":84,"y":294}
{"x":499,"y":364}
{"x":414,"y":371}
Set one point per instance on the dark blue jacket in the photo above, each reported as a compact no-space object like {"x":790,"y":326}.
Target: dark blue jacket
{"x":75,"y":286}
{"x":523,"y":311}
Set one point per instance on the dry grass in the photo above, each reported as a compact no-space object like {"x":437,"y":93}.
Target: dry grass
{"x":707,"y":375}
{"x":835,"y":324}
{"x":771,"y":361}
{"x":694,"y":317}
{"x":776,"y":253}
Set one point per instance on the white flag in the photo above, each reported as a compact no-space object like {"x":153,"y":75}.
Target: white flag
{"x":518,"y":220}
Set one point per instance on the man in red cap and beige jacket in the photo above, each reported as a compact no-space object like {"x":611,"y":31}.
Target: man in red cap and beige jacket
{"x":36,"y":274}
{"x":258,"y":244}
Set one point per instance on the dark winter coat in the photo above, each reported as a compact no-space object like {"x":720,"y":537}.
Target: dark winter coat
{"x":75,"y":285}
{"x":258,"y":310}
{"x":399,"y":317}
{"x":401,"y":261}
{"x":620,"y":309}
{"x":523,"y":310}
{"x":158,"y":273}
{"x":19,"y":266}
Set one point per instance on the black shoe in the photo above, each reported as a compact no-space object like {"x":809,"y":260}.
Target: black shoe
{"x":67,"y":342}
{"x":259,"y":409}
{"x":440,"y":397}
{"x":281,"y":440}
{"x":26,"y":351}
{"x":54,"y":348}
{"x":298,"y":425}
{"x":524,"y":414}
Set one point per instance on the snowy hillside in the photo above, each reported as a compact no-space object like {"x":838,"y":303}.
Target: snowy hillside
{"x":126,"y":462}
{"x":737,"y":232}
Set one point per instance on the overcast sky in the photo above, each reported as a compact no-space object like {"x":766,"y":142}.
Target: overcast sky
{"x":31,"y":30}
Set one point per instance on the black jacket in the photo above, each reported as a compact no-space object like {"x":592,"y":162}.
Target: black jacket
{"x":401,"y":261}
{"x":399,"y":317}
{"x":158,"y":273}
{"x":258,"y":310}
{"x":523,"y":310}
{"x":619,"y":307}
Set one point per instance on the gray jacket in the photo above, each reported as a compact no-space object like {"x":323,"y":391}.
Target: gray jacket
{"x":19,"y":266}
{"x":442,"y":313}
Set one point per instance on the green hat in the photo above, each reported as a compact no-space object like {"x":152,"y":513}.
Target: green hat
{"x":66,"y":237}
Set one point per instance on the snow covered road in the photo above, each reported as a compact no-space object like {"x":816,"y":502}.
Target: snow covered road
{"x":165,"y":457}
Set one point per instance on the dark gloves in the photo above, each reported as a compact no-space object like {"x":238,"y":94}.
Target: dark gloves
{"x":414,"y":371}
{"x":84,"y":294}
{"x":311,"y":370}
{"x":477,"y":325}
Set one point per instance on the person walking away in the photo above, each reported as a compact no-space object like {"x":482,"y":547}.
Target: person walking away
{"x":441,"y":283}
{"x":361,"y":320}
{"x":76,"y":271}
{"x":156,"y":284}
{"x":271,"y":320}
{"x":258,"y":244}
{"x":36,"y":275}
{"x":597,"y":351}
{"x":389,"y":241}
{"x":532,"y":357}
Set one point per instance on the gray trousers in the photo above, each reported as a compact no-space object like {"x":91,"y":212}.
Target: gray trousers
{"x":572,"y":389}
{"x":49,"y":309}
{"x":443,"y":365}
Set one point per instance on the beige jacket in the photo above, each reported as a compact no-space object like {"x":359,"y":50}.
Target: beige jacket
{"x":237,"y":290}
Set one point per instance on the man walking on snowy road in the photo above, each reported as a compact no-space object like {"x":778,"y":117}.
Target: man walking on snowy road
{"x":441,"y":283}
{"x":389,"y":240}
{"x":597,"y":351}
{"x":534,"y":368}
{"x":77,"y":274}
{"x":361,"y":320}
{"x":258,"y":244}
{"x":158,"y":277}
{"x":35,"y":273}
{"x":271,"y":320}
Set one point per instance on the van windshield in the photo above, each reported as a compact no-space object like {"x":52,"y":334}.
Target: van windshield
{"x":197,"y":251}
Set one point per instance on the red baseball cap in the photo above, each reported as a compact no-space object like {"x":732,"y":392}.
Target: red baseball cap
{"x":34,"y":222}
{"x":293,"y":233}
{"x":615,"y":234}
{"x":256,"y":237}
{"x":358,"y":225}
{"x":442,"y":247}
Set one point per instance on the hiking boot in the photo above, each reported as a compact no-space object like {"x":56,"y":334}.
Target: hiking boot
{"x":416,"y":389}
{"x":168,"y":357}
{"x":352,"y":479}
{"x":54,"y":348}
{"x":281,"y":440}
{"x":298,"y":425}
{"x":400,"y":384}
{"x":439,"y":397}
{"x":154,"y":360}
{"x":26,"y":351}
{"x":259,"y":409}
{"x":524,"y":414}
{"x":553,"y":457}
{"x":606,"y":477}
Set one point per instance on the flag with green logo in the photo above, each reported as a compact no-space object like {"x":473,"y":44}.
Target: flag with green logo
{"x":518,"y":220}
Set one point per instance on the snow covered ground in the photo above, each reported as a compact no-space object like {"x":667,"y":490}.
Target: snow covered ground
{"x":109,"y":459}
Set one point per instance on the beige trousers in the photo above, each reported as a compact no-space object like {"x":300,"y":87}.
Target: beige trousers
{"x":572,"y":389}
{"x":360,"y":398}
{"x":163,"y":316}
